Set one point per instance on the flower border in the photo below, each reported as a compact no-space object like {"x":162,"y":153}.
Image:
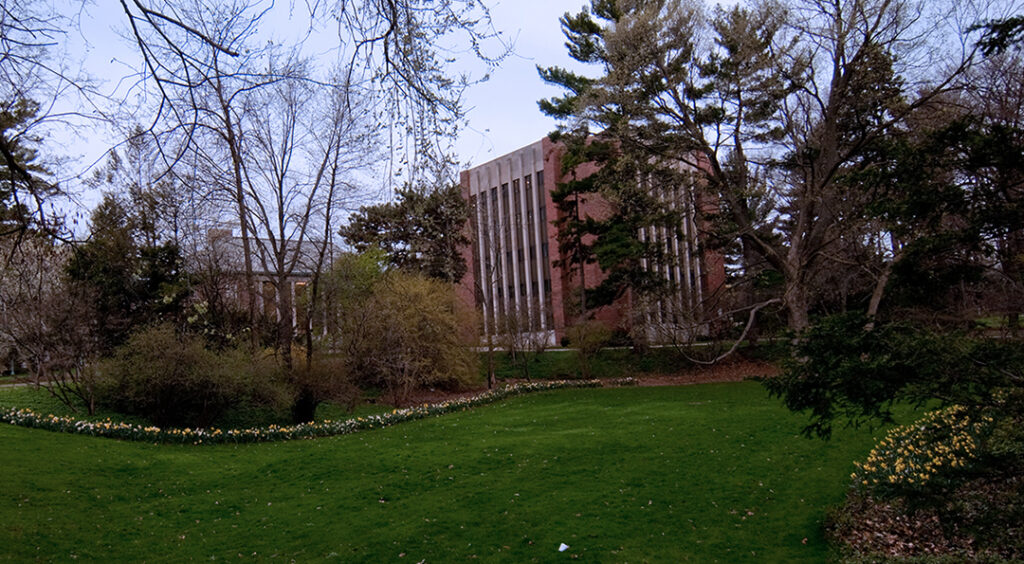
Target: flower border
{"x":131,"y":432}
{"x":912,"y":456}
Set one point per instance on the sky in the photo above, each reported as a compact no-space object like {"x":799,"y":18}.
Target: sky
{"x":501,"y":112}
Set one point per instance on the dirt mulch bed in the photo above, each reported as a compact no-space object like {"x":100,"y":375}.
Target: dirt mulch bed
{"x":873,"y":527}
{"x":735,"y":371}
{"x":983,"y":522}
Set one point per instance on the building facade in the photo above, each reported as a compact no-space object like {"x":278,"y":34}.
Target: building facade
{"x":514,"y":277}
{"x":224,"y":253}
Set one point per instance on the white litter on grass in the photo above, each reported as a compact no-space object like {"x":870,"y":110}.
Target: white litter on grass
{"x":563,"y":547}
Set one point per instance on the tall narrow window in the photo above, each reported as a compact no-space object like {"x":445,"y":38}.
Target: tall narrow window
{"x":516,"y":201}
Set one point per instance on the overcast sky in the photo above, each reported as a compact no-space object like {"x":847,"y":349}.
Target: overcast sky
{"x":503,"y":113}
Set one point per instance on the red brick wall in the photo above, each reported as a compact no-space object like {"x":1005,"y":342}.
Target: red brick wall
{"x":592,"y":205}
{"x":564,"y":282}
{"x":466,"y":288}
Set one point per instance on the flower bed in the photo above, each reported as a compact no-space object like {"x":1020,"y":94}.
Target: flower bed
{"x":127,"y":431}
{"x":912,"y":456}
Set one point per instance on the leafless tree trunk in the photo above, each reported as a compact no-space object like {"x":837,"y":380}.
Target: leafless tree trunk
{"x":303,"y":142}
{"x":48,"y":321}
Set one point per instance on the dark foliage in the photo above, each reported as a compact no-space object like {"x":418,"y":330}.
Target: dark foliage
{"x":421,"y":231}
{"x":849,"y":370}
{"x":174,"y":380}
{"x":133,"y":284}
{"x":23,"y":186}
{"x":322,"y":379}
{"x":1000,"y":35}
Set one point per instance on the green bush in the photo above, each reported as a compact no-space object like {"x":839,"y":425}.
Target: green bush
{"x":398,"y":332}
{"x":848,"y":369}
{"x":324,"y":379}
{"x":419,"y":341}
{"x":924,"y":455}
{"x":960,"y":464}
{"x":173,"y":380}
{"x":587,"y":339}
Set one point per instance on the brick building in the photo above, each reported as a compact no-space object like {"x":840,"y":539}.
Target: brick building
{"x":512,"y":275}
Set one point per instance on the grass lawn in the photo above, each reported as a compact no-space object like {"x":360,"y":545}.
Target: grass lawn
{"x":706,"y":473}
{"x":40,"y":401}
{"x":608,"y":363}
{"x":614,"y":362}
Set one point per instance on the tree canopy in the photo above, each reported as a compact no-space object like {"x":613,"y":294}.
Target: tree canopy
{"x":773,"y":109}
{"x":422,"y":230}
{"x":25,"y":185}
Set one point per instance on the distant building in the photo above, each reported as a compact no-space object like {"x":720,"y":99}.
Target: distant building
{"x":226,"y":255}
{"x":512,"y":274}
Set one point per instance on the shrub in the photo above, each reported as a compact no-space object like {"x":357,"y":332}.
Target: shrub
{"x":846,"y":368}
{"x":926,"y":453}
{"x":587,"y":338}
{"x":173,"y":380}
{"x":327,"y":428}
{"x":955,"y":463}
{"x":419,"y":343}
{"x":937,"y":486}
{"x":397,"y":331}
{"x":323,"y":379}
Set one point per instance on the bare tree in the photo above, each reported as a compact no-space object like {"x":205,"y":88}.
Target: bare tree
{"x":346,"y":146}
{"x":298,"y":164}
{"x":39,"y":95}
{"x":206,"y":67}
{"x":399,"y":46}
{"x":520,"y":333}
{"x":47,"y":320}
{"x":201,"y":62}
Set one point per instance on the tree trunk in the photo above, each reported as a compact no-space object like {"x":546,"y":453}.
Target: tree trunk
{"x":304,"y":408}
{"x":491,"y":379}
{"x":750,"y":258}
{"x":243,"y":224}
{"x":797,"y":305}
{"x":876,"y":295}
{"x":285,"y":317}
{"x":1011,"y":254}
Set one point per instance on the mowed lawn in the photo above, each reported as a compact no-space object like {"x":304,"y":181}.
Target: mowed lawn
{"x":710,"y":473}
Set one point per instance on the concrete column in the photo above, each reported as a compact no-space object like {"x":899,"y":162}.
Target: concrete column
{"x":492,"y":275}
{"x":513,"y":234}
{"x":484,"y":276}
{"x":539,"y":237}
{"x":500,"y":225}
{"x":525,"y":239}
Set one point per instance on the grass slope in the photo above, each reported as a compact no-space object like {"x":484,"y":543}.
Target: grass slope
{"x":702,"y":473}
{"x":607,"y":363}
{"x":617,"y":362}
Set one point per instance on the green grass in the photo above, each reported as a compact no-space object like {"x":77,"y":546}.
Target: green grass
{"x":621,"y":362}
{"x":700,"y":473}
{"x":550,"y":365}
{"x":608,"y":363}
{"x":42,"y":402}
